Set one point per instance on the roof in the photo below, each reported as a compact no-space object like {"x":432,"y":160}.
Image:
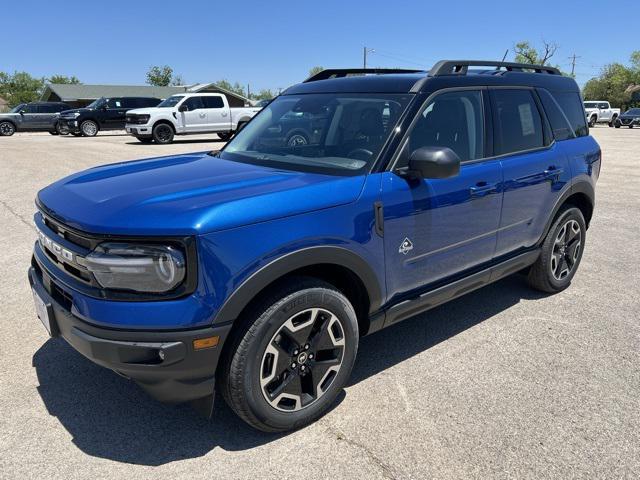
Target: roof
{"x":71,"y":92}
{"x":437,"y":79}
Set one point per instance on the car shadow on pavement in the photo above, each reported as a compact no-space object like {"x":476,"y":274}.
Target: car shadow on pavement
{"x":110,"y":417}
{"x":181,"y":141}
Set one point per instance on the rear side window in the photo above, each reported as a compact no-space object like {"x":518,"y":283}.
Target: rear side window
{"x":47,"y":108}
{"x":114,"y":103}
{"x":213,"y":102}
{"x":559,"y":124}
{"x":130,"y":103}
{"x":454,"y":120}
{"x":572,"y":107}
{"x":147,"y":102}
{"x":517,"y":121}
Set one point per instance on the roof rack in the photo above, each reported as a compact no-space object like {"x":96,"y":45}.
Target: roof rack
{"x":460,"y":67}
{"x":343,"y":72}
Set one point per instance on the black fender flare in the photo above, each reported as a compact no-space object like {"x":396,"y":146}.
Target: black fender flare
{"x":582,"y":186}
{"x":259,"y":280}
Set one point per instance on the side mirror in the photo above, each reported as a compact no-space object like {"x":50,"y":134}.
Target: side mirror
{"x":432,"y":162}
{"x":23,"y":111}
{"x":183,"y":108}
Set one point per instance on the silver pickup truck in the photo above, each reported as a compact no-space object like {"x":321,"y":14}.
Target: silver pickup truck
{"x":185,"y":114}
{"x":601,"y":112}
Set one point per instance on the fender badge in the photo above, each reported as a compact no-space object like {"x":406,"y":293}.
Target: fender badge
{"x":405,"y":247}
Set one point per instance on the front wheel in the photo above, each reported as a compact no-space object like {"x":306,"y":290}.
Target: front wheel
{"x":561,"y":252}
{"x":225,"y":136}
{"x":613,"y":121}
{"x":291,"y":356}
{"x":592,"y":121}
{"x":7,"y":129}
{"x":62,"y":129}
{"x":89,"y":128}
{"x":163,"y":133}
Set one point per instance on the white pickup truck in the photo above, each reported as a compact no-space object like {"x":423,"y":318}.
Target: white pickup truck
{"x":185,"y":114}
{"x":601,"y":112}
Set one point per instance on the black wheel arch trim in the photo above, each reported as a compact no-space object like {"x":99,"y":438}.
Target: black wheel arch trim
{"x":583,"y":187}
{"x":307,"y":257}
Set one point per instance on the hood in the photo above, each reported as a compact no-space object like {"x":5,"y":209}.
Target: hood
{"x":149,"y":110}
{"x":9,"y":115}
{"x":75,"y":110}
{"x":189,"y":194}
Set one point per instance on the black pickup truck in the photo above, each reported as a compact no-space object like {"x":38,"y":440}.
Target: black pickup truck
{"x":103,"y":114}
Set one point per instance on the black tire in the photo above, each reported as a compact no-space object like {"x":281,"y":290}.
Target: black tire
{"x":163,"y":133}
{"x":145,"y":139}
{"x":631,"y":126}
{"x":560,"y":259}
{"x":7,"y":129}
{"x":61,"y":129}
{"x":249,"y":355}
{"x":225,"y":136}
{"x":617,"y":125}
{"x":53,"y":132}
{"x":592,"y":121}
{"x":89,"y":128}
{"x":76,"y":134}
{"x":613,"y":121}
{"x":297,"y":139}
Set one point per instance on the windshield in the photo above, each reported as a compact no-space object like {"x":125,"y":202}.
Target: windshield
{"x":337,"y":133}
{"x":590,"y":105}
{"x":97,"y":103}
{"x":170,"y":102}
{"x":633,"y":111}
{"x":17,"y":108}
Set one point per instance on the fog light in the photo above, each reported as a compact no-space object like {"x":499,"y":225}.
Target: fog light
{"x":203,"y":343}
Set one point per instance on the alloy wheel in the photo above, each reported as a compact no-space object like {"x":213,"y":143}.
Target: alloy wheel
{"x":89,"y":129}
{"x":163,"y":133}
{"x":7,"y":129}
{"x":302,"y":359}
{"x":297,"y":140}
{"x":566,"y":249}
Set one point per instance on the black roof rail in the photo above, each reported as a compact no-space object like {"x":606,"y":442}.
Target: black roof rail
{"x":343,"y":72}
{"x":460,"y":67}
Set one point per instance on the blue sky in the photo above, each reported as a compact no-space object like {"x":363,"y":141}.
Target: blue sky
{"x":272,"y":44}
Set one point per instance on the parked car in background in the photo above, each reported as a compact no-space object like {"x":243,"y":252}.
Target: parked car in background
{"x":103,"y":114}
{"x":33,"y":117}
{"x":263,"y":103}
{"x":187,"y":114}
{"x":601,"y":112}
{"x":295,"y":129}
{"x":630,"y":118}
{"x":256,"y":269}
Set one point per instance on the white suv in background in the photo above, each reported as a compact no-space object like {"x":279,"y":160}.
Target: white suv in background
{"x":189,"y":113}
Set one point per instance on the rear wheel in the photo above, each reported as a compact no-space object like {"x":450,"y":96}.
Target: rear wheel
{"x":297,"y":140}
{"x":291,"y":357}
{"x":7,"y":129}
{"x":561,"y":252}
{"x":53,"y":132}
{"x":89,"y":128}
{"x":592,"y":121}
{"x":163,"y":133}
{"x":62,"y":129}
{"x":613,"y":121}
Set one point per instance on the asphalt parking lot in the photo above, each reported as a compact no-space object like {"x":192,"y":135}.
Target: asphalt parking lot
{"x":504,"y":382}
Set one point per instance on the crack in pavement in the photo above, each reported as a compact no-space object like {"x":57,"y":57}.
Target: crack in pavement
{"x":340,"y":435}
{"x":17,"y":215}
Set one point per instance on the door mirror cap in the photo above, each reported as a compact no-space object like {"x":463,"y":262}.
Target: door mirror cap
{"x":432,"y":162}
{"x":183,"y":108}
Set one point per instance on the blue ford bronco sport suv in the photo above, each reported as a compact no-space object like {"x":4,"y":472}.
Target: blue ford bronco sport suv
{"x":255,"y":269}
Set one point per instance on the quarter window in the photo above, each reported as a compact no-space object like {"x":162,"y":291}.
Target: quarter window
{"x":517,"y":121}
{"x":572,"y":106}
{"x":559,"y":124}
{"x":454,"y":120}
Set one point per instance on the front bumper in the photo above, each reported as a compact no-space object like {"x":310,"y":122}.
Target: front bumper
{"x":70,"y":123}
{"x":139,"y":130}
{"x":179,"y":374}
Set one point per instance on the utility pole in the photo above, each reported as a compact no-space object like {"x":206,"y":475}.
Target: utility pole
{"x":573,"y":63}
{"x":248,"y":91}
{"x":366,"y":50}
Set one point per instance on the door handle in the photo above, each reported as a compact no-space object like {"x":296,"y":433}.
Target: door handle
{"x":224,"y":114}
{"x":482,"y":189}
{"x":552,"y":171}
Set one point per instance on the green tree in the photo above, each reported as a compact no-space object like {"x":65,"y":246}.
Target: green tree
{"x":20,"y":87}
{"x":160,"y":76}
{"x":526,"y":53}
{"x":615,"y":83}
{"x":235,"y":88}
{"x":315,"y":70}
{"x":58,"y":79}
{"x":264,"y":94}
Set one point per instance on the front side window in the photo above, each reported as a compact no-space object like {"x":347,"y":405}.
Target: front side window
{"x":334,"y":133}
{"x":193,"y":103}
{"x":454,"y":120}
{"x":30,"y":108}
{"x":518,"y":125}
{"x":97,"y":104}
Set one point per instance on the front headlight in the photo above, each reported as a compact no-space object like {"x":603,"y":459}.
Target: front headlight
{"x":76,"y":114}
{"x":143,"y":268}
